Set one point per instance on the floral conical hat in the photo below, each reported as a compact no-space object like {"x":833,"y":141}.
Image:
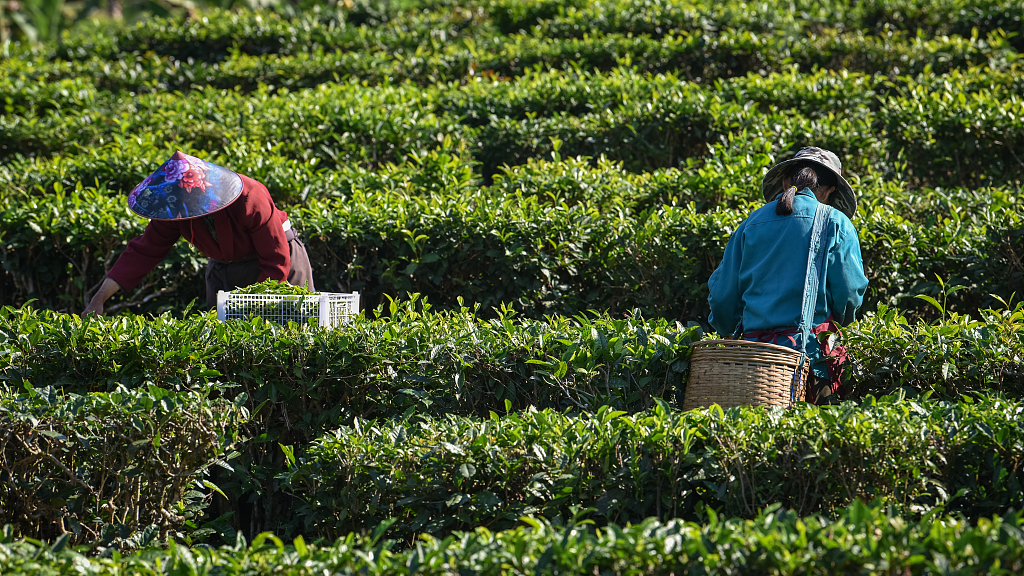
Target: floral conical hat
{"x":185,"y":187}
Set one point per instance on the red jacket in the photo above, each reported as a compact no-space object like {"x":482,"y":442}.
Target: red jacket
{"x":249,"y":226}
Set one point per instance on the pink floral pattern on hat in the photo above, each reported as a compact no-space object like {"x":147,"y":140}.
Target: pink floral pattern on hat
{"x":185,"y":187}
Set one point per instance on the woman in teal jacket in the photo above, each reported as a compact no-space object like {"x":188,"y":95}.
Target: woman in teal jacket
{"x":758,"y":287}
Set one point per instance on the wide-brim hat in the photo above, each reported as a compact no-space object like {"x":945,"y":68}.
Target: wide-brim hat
{"x":185,"y":187}
{"x":843,"y":198}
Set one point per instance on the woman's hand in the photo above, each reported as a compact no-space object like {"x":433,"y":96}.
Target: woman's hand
{"x":93,"y":308}
{"x":99,"y":299}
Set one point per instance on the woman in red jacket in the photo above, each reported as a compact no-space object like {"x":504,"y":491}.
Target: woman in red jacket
{"x":228,"y":217}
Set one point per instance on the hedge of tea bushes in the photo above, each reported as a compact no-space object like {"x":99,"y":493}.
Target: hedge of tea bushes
{"x":948,"y":357}
{"x":539,"y":254}
{"x":646,"y":122}
{"x":122,"y":161}
{"x":217,"y":34}
{"x":214,"y":35}
{"x":863,"y":539}
{"x":578,"y":91}
{"x":440,"y":362}
{"x":438,"y":475}
{"x":456,"y":362}
{"x":966,"y":240}
{"x":114,"y":168}
{"x":295,"y":385}
{"x":120,"y":466}
{"x":232,"y":129}
{"x":548,"y":95}
{"x":329,"y":125}
{"x":484,"y":248}
{"x":697,"y":56}
{"x":298,"y":384}
{"x":574,"y":19}
{"x":333,"y":122}
{"x":566,"y":259}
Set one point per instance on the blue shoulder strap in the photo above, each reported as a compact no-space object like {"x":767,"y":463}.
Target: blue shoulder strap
{"x":815,"y":268}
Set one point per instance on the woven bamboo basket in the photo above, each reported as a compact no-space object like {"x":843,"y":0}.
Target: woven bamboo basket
{"x":736,"y":373}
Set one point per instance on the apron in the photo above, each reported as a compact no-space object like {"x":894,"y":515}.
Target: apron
{"x":836,"y":357}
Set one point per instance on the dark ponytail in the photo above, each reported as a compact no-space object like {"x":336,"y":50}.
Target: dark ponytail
{"x":785,"y":204}
{"x":804,"y":176}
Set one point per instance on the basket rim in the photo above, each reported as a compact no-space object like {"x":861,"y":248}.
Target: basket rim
{"x":316,"y":295}
{"x":747,"y":344}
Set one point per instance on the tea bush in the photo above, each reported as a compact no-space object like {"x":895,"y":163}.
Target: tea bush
{"x":117,"y":166}
{"x":658,"y":18}
{"x":297,"y":384}
{"x":215,"y":35}
{"x":123,"y":467}
{"x":550,"y":174}
{"x":337,"y":123}
{"x":438,"y":475}
{"x":557,"y":254}
{"x":862,"y":539}
{"x":950,"y":357}
{"x":666,"y":121}
{"x":456,"y":362}
{"x":947,"y":126}
{"x":439,"y":361}
{"x":424,"y":54}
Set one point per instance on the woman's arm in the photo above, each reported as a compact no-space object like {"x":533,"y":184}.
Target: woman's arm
{"x":724,"y":285}
{"x":263,"y":220}
{"x":139,"y":258}
{"x":845,"y":283}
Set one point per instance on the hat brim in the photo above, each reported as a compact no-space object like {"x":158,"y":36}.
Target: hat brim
{"x":843,"y":199}
{"x":184,"y":188}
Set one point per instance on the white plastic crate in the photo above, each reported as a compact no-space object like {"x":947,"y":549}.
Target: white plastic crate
{"x":327,"y":309}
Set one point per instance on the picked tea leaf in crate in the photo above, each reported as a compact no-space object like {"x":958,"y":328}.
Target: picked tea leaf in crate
{"x":325,"y":309}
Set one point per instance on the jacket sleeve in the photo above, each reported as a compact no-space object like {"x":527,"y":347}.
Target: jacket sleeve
{"x":263,"y":222}
{"x":144,"y":253}
{"x":724,"y":297}
{"x":845,"y":281}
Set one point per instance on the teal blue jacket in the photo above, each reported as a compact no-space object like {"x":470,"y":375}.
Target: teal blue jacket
{"x":761,"y":277}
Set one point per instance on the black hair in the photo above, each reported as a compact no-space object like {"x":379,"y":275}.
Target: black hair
{"x":804,"y":175}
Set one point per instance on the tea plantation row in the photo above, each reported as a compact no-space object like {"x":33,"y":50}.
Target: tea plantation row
{"x":455,"y":35}
{"x":265,"y":403}
{"x":945,"y":133}
{"x":434,"y":475}
{"x":454,"y":362}
{"x":565,"y":254}
{"x":521,"y":164}
{"x":698,"y":56}
{"x":862,"y":540}
{"x":67,"y":470}
{"x":957,"y":129}
{"x":433,"y":24}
